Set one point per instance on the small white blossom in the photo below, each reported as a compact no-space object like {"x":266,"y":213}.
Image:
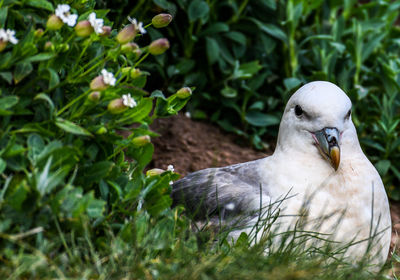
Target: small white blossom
{"x":96,"y":23}
{"x":139,"y":25}
{"x":170,"y":168}
{"x":128,"y":101}
{"x":188,"y":115}
{"x":171,"y":183}
{"x":63,"y":12}
{"x":108,"y":77}
{"x":8,"y":36}
{"x":230,"y":206}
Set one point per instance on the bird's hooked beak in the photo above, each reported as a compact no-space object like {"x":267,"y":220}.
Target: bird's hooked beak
{"x":327,"y":142}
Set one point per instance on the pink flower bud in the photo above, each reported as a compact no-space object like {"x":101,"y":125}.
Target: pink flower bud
{"x":154,"y":172}
{"x":159,"y":46}
{"x":127,"y":34}
{"x":129,"y":47}
{"x":48,"y":46}
{"x":116,"y":106}
{"x":161,"y":20}
{"x":140,"y":141}
{"x":83,"y":28}
{"x":38,"y":33}
{"x":97,"y":84}
{"x":135,"y":73}
{"x":3,"y":45}
{"x":94,"y":96}
{"x":126,"y":70}
{"x":184,"y":92}
{"x":63,"y":47}
{"x":137,"y":52}
{"x":106,"y":31}
{"x":54,"y":23}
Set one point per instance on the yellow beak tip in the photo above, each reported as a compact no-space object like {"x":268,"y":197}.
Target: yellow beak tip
{"x":335,"y":157}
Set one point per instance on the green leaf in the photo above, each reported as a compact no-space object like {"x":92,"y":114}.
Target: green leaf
{"x":257,"y":118}
{"x":8,"y":102}
{"x":72,"y":127}
{"x":5,"y":60}
{"x":291,"y":83}
{"x":212,"y":49}
{"x":104,"y":190}
{"x":96,"y":172}
{"x":95,"y":207}
{"x":3,"y":165}
{"x":43,"y":4}
{"x":237,"y":37}
{"x":40,"y":57}
{"x":35,"y":147}
{"x":17,"y":195}
{"x":383,"y":166}
{"x":270,"y":29}
{"x":7,"y":76}
{"x":46,"y":181}
{"x":54,"y":79}
{"x":3,"y":16}
{"x":138,"y":113}
{"x":215,"y":28}
{"x":140,"y":81}
{"x":158,"y":94}
{"x":45,"y":97}
{"x":229,"y":92}
{"x":250,"y":68}
{"x":338,"y":46}
{"x":21,"y":71}
{"x":198,"y":9}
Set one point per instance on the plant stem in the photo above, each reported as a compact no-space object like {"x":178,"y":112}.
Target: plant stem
{"x":72,"y":102}
{"x":141,"y":59}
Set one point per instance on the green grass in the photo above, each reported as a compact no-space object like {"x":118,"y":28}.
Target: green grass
{"x":169,"y":247}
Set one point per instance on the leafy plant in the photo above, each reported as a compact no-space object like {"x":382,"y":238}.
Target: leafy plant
{"x":70,"y":88}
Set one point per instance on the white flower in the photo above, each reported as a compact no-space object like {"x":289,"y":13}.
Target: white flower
{"x":62,"y":11}
{"x":139,"y":25}
{"x":188,"y":115}
{"x":8,"y":36}
{"x":108,"y":77}
{"x":170,"y":168}
{"x":230,"y":206}
{"x":128,"y":101}
{"x":96,"y":23}
{"x":11,"y":36}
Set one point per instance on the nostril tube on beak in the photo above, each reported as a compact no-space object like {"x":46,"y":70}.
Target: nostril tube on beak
{"x":328,"y":144}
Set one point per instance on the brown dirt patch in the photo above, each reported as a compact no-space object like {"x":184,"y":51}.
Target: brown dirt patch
{"x":192,"y":145}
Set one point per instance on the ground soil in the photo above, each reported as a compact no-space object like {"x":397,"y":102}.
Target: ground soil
{"x":193,"y":145}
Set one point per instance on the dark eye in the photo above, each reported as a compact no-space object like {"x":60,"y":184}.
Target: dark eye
{"x":298,"y":110}
{"x":348,"y":115}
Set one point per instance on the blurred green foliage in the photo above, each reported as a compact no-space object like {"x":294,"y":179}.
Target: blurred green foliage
{"x":247,"y":57}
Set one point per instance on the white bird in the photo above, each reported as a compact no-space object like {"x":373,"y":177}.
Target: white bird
{"x":317,"y":168}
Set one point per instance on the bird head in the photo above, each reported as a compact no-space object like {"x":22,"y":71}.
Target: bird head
{"x":317,"y":121}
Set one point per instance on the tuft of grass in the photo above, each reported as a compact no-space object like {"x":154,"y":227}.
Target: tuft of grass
{"x":169,"y":247}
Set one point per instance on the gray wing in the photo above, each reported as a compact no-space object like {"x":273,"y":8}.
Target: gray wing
{"x":226,"y":191}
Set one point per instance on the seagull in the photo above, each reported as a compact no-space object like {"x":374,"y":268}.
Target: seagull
{"x":318,"y":171}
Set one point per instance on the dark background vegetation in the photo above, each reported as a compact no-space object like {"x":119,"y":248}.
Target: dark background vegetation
{"x":245,"y":58}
